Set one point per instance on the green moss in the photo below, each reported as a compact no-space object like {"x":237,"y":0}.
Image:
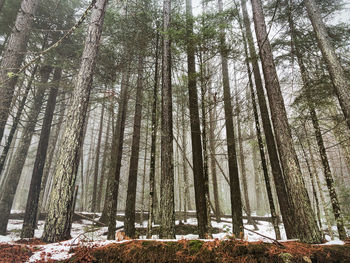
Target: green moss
{"x":195,"y":246}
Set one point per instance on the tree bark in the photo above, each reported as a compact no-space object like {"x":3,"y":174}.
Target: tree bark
{"x":2,"y":2}
{"x":31,"y":212}
{"x":129,"y":221}
{"x":197,"y":155}
{"x":235,"y":191}
{"x":167,"y":206}
{"x":16,"y":166}
{"x":13,"y":56}
{"x":57,"y":225}
{"x":336,"y":71}
{"x":305,"y":223}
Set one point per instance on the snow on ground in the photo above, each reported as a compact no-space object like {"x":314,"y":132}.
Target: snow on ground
{"x":85,"y":233}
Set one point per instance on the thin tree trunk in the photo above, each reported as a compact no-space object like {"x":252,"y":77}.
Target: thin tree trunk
{"x":2,"y":2}
{"x":58,"y":224}
{"x":212,"y":146}
{"x":152,"y":194}
{"x":13,"y":56}
{"x":29,"y":222}
{"x":97,"y":162}
{"x":305,"y":223}
{"x":336,"y":71}
{"x":236,"y":202}
{"x":197,"y":155}
{"x":16,"y":166}
{"x":106,"y":152}
{"x":129,"y":221}
{"x":283,"y":196}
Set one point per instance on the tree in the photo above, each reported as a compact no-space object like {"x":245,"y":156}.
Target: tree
{"x":235,"y":191}
{"x":31,"y":212}
{"x":335,"y":69}
{"x":58,"y":220}
{"x":304,"y":219}
{"x":167,"y":206}
{"x":13,"y":57}
{"x":197,"y":155}
{"x":129,"y":222}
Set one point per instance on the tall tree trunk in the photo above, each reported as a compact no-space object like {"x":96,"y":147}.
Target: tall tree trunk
{"x":97,"y":162}
{"x":106,"y":152}
{"x":304,"y":218}
{"x":129,"y":221}
{"x":57,"y":225}
{"x":340,"y":82}
{"x":322,"y":150}
{"x":197,"y":156}
{"x":13,"y":56}
{"x":235,"y":191}
{"x":29,"y":222}
{"x":212,"y":146}
{"x":16,"y":166}
{"x":154,"y":126}
{"x":283,"y":196}
{"x":167,"y":206}
{"x":111,"y":200}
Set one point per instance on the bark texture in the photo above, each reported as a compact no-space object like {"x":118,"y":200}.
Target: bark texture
{"x":58,"y":220}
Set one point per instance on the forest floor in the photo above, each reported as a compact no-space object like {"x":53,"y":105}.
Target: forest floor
{"x":89,"y":244}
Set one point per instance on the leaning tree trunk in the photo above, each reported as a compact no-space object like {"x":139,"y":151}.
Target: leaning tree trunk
{"x":336,"y":71}
{"x":235,"y":191}
{"x":319,"y":138}
{"x":30,"y":220}
{"x":97,"y":162}
{"x":129,"y":221}
{"x":260,"y":140}
{"x":111,"y":200}
{"x":167,"y":205}
{"x":57,"y":225}
{"x":16,"y":165}
{"x":13,"y":56}
{"x":197,"y":155}
{"x":277,"y":173}
{"x":305,"y":223}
